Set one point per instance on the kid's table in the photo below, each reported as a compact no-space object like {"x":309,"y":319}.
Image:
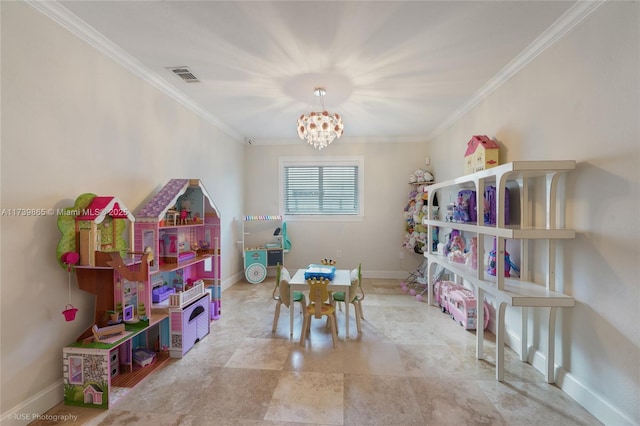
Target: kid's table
{"x":340,"y":282}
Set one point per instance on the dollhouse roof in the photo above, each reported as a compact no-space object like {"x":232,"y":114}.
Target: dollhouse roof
{"x":480,"y":141}
{"x":100,"y":207}
{"x":166,"y":198}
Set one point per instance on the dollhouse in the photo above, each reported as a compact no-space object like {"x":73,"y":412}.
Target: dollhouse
{"x":481,"y":154}
{"x":180,"y":228}
{"x":96,"y":227}
{"x":152,"y":302}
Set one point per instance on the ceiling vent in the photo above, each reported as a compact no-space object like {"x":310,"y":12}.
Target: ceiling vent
{"x":185,"y":74}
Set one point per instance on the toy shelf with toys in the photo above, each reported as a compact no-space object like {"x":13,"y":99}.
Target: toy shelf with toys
{"x":519,"y":205}
{"x":416,"y":209}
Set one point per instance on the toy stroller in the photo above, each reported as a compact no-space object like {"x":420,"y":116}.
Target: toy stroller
{"x":415,"y":280}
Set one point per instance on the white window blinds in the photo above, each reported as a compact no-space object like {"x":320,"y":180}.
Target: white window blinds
{"x":321,"y":190}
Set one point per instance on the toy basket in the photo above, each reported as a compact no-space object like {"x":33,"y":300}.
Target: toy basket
{"x":70,"y":312}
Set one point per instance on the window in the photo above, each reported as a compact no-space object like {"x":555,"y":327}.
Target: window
{"x":322,"y":187}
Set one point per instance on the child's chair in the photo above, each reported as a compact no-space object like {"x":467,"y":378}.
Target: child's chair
{"x":318,"y":307}
{"x":354,"y":298}
{"x":281,"y":294}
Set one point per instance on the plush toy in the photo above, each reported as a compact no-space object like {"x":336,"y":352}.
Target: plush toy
{"x":421,"y":175}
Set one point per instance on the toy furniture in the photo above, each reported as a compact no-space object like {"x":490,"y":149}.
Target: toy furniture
{"x":282,"y":295}
{"x":143,"y":357}
{"x":523,"y":292}
{"x":161,"y":293}
{"x":319,"y":307}
{"x":353,"y":296}
{"x":341,"y":282}
{"x":258,"y":258}
{"x":108,"y":331}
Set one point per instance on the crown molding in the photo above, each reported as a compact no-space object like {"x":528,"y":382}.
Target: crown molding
{"x":78,"y":27}
{"x":572,"y":17}
{"x":58,"y":13}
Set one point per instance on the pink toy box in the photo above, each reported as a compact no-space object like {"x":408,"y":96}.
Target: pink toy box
{"x":460,"y":303}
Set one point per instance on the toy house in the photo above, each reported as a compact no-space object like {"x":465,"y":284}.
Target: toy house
{"x":180,"y":228}
{"x":481,"y":154}
{"x":100,"y":229}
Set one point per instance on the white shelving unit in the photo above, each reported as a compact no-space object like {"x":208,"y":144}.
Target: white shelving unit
{"x":523,"y":176}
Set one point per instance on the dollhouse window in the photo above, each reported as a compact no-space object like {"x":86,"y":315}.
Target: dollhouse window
{"x":75,"y":370}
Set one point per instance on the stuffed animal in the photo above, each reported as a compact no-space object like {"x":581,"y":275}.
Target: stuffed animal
{"x":421,"y":175}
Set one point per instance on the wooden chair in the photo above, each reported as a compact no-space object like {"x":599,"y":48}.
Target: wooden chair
{"x":319,"y":307}
{"x":281,"y":294}
{"x":354,"y":298}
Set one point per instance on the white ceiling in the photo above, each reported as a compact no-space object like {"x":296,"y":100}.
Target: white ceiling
{"x":395,"y":70}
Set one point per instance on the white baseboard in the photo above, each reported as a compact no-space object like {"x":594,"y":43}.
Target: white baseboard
{"x":587,"y":398}
{"x":34,"y":407}
{"x":591,"y":401}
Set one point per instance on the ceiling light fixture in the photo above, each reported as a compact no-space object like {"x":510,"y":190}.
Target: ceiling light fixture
{"x":320,"y":128}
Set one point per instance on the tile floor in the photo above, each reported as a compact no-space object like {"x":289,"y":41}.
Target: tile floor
{"x":412,"y":365}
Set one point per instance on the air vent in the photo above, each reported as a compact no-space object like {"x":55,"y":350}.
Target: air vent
{"x":185,"y":74}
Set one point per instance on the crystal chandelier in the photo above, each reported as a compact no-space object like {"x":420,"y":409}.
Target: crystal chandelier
{"x":320,"y":128}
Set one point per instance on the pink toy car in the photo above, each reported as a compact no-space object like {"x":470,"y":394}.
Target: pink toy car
{"x":460,"y":303}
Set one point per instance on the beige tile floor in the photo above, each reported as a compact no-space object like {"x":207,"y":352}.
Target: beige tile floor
{"x":412,"y":365}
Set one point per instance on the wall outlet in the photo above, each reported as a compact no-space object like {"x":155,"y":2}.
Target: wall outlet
{"x":338,"y":253}
{"x":401,"y":255}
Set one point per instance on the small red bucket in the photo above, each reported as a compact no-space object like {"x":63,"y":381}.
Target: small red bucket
{"x":70,"y":312}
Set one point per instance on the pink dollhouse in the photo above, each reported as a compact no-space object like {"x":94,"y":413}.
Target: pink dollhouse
{"x":188,"y":237}
{"x":169,"y":252}
{"x":481,"y":154}
{"x":187,"y":250}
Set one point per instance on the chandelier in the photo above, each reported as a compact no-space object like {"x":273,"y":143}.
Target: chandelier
{"x":320,"y":128}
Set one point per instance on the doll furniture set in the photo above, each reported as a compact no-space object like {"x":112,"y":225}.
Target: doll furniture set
{"x":151,"y":298}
